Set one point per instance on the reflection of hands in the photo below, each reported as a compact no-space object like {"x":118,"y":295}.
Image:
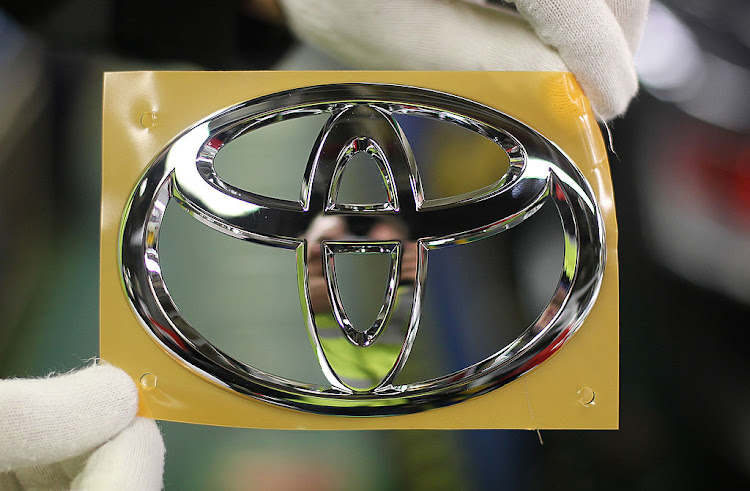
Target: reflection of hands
{"x":78,"y":431}
{"x":409,"y":263}
{"x":322,"y":228}
{"x":594,"y":39}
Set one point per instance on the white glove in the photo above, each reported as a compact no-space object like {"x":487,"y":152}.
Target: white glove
{"x":77,"y":431}
{"x":594,"y":39}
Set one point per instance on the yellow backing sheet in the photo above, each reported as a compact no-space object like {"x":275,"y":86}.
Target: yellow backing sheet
{"x":144,"y":111}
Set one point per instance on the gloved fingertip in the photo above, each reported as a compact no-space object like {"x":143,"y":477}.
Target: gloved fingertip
{"x":133,"y":459}
{"x":52,"y":419}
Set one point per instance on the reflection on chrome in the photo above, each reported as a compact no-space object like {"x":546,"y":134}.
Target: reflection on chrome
{"x":361,"y":362}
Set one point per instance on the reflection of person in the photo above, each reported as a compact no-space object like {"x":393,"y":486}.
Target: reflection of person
{"x":336,"y":227}
{"x":81,"y":428}
{"x":363,"y":367}
{"x":322,"y":228}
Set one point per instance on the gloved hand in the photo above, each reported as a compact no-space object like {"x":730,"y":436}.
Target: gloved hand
{"x":594,"y":39}
{"x":77,"y":431}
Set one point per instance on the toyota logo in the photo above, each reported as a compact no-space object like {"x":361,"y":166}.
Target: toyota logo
{"x":405,"y":227}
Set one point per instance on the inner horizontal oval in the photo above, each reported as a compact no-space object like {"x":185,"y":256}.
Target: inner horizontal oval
{"x":271,"y":160}
{"x":452,"y":160}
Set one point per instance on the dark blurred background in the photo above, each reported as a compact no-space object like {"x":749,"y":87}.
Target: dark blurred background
{"x":681,"y":170}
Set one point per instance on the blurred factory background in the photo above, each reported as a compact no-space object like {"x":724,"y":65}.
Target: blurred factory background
{"x":681,"y":170}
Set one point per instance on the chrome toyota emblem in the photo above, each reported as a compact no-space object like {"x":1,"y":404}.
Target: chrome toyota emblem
{"x":404,"y":228}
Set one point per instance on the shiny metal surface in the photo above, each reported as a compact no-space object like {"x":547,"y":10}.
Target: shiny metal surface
{"x":404,"y":228}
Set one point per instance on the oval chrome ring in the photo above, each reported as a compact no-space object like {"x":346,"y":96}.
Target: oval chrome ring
{"x":538,"y":170}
